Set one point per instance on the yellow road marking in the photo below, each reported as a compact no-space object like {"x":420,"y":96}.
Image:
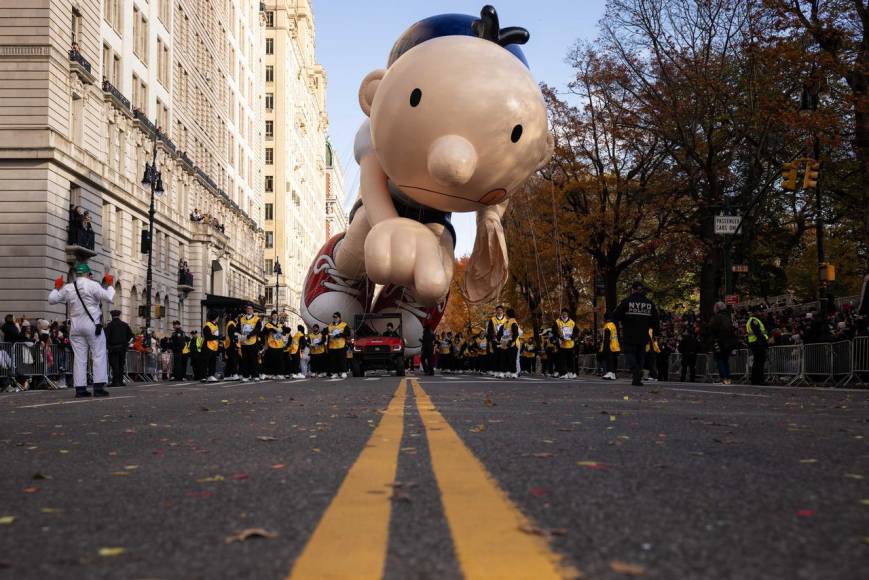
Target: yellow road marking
{"x":487,"y":528}
{"x":351,"y":539}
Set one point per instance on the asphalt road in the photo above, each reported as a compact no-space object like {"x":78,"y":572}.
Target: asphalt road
{"x":435,"y":478}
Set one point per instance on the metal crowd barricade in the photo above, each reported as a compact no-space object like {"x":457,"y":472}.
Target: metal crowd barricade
{"x":842,"y":362}
{"x":675,"y":367}
{"x":739,"y":367}
{"x":151,"y":366}
{"x":785,"y":364}
{"x":859,"y":361}
{"x":818,"y":363}
{"x":134,"y":366}
{"x":588,"y":363}
{"x":33,"y":361}
{"x":7,"y":365}
{"x":703,"y":361}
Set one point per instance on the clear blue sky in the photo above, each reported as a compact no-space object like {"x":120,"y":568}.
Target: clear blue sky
{"x":354,"y":38}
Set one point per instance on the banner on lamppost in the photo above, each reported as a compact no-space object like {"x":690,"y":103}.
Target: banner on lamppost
{"x":727,"y":224}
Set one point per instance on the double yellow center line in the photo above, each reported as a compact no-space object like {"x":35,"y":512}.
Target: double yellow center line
{"x":489,"y":532}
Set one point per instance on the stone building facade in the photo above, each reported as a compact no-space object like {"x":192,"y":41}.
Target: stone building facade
{"x":84,"y":86}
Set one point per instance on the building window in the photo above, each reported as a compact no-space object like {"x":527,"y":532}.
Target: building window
{"x":270,"y":18}
{"x":270,"y":265}
{"x":163,"y":63}
{"x":270,"y":73}
{"x":270,"y":211}
{"x":270,"y":156}
{"x":270,"y":239}
{"x":270,"y":183}
{"x":75,"y":31}
{"x":270,"y":129}
{"x":270,"y":101}
{"x":269,"y":294}
{"x":270,"y":45}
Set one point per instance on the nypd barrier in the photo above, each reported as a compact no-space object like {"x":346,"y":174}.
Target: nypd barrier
{"x":785,"y":364}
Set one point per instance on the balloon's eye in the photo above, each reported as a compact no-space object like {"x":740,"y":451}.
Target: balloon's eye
{"x":415,"y":97}
{"x":516,"y":134}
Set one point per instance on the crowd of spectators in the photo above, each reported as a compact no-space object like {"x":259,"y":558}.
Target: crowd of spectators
{"x":185,"y":276}
{"x":81,"y":230}
{"x":197,"y":217}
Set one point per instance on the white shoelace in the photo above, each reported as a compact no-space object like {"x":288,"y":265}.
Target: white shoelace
{"x":341,"y":283}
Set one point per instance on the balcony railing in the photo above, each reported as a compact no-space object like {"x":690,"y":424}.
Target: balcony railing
{"x":78,"y":235}
{"x":185,"y":278}
{"x":168,"y":142}
{"x":110,"y":89}
{"x":186,"y":161}
{"x":76,"y":56}
{"x":144,"y":121}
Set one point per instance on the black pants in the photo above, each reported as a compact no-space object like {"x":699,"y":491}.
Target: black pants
{"x":209,"y":362}
{"x":274,"y":361}
{"x":609,"y":361}
{"x":566,"y":361}
{"x":506,"y":359}
{"x":549,"y":364}
{"x":689,"y":367}
{"x":529,"y":364}
{"x":426,"y":361}
{"x":179,"y":366}
{"x":337,"y":360}
{"x":663,"y":367}
{"x":758,"y":372}
{"x":635,"y":355}
{"x":651,"y":363}
{"x":231,"y":368}
{"x":197,"y":359}
{"x":117,"y":358}
{"x":294,"y":363}
{"x":249,"y":361}
{"x":445,"y":362}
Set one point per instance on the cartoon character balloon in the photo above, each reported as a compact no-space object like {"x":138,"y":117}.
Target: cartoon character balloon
{"x":456,"y":123}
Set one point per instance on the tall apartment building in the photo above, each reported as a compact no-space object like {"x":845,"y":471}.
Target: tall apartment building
{"x":295,"y":150}
{"x":84,"y":87}
{"x":336,"y":217}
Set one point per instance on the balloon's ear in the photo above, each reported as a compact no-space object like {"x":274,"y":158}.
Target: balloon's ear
{"x":368,"y":89}
{"x":547,"y":153}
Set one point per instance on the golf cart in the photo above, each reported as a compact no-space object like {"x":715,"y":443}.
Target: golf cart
{"x":372,"y":350}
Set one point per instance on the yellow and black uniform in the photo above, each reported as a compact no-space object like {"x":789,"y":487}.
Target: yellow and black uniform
{"x":504,"y":332}
{"x":609,"y":346}
{"x":758,"y":342}
{"x":250,"y":328}
{"x":317,"y":352}
{"x":528,"y":357}
{"x":231,"y":349}
{"x":548,"y":354}
{"x":211,"y":339}
{"x":297,"y":343}
{"x":194,"y":349}
{"x":458,"y":354}
{"x":651,"y":358}
{"x":445,"y":353}
{"x":483,"y":361}
{"x":339,"y":333}
{"x":566,"y":337}
{"x":276,"y":341}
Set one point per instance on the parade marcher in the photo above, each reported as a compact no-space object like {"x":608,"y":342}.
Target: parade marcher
{"x":549,"y":353}
{"x":339,"y":334}
{"x":636,"y":314}
{"x":298,"y":342}
{"x":84,"y":299}
{"x":445,"y":352}
{"x":196,"y":358}
{"x":529,"y":353}
{"x":506,"y":350}
{"x":723,"y":336}
{"x":652,"y":352}
{"x":688,"y":348}
{"x":317,"y":352}
{"x":459,"y":353}
{"x":211,"y":339}
{"x":250,"y":328}
{"x":609,"y":347}
{"x":177,"y":342}
{"x":275,"y":332}
{"x":118,"y":337}
{"x":566,"y":336}
{"x":427,"y":359}
{"x":231,"y":348}
{"x":758,"y":342}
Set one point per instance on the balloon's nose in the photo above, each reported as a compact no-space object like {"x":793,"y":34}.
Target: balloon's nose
{"x":452,"y":160}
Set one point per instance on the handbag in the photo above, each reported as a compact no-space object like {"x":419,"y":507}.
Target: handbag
{"x":98,"y":328}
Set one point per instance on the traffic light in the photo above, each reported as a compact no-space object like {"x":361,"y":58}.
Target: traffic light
{"x":146,"y":242}
{"x":789,"y":176}
{"x":827,"y":272}
{"x":810,"y":178}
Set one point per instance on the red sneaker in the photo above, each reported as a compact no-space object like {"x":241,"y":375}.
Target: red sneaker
{"x":414,"y":316}
{"x":327,"y":291}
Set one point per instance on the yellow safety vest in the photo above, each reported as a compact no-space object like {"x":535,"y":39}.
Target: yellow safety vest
{"x":186,"y":349}
{"x":211,"y":344}
{"x":275,"y":340}
{"x":752,"y":338}
{"x":614,"y":337}
{"x":336,"y":335}
{"x":508,"y":334}
{"x":318,"y":345}
{"x":249,"y":322}
{"x":652,"y":343}
{"x":230,"y":330}
{"x":529,"y":349}
{"x":569,"y":326}
{"x":293,"y":347}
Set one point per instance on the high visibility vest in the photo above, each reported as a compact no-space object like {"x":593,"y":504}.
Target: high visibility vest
{"x":318,"y":346}
{"x":529,"y":349}
{"x":653,"y":343}
{"x":293,"y":348}
{"x":186,"y":349}
{"x":507,"y":338}
{"x":212,"y":344}
{"x":497,"y":323}
{"x":614,"y":337}
{"x":565,"y":333}
{"x":752,"y":338}
{"x":336,"y":335}
{"x":230,"y":330}
{"x":276,"y":339}
{"x":247,"y":326}
{"x":445,"y":345}
{"x":198,"y":344}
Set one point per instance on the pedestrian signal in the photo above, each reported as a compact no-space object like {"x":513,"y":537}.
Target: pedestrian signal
{"x":810,"y":178}
{"x":827,"y":272}
{"x":789,"y":176}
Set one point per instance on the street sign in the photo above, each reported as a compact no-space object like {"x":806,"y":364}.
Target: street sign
{"x":727,"y":224}
{"x":739,"y":268}
{"x":731,"y":299}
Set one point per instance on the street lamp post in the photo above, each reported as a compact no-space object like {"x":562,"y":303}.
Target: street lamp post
{"x":277,"y":271}
{"x":808,"y":107}
{"x":153,"y":179}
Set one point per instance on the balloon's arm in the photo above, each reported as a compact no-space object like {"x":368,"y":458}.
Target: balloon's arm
{"x":374,"y":191}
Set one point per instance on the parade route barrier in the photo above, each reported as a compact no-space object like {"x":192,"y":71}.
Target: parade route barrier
{"x":785,"y":364}
{"x":842,"y":361}
{"x":859,"y":361}
{"x":7,"y":365}
{"x":818,"y":363}
{"x":35,"y":362}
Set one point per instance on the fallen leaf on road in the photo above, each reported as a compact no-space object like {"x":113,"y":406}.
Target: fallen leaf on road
{"x":531,"y":530}
{"x":250,"y":533}
{"x":50,"y":510}
{"x":591,"y":464}
{"x":131,"y":467}
{"x":121,"y":473}
{"x":538,"y":491}
{"x":240,"y":476}
{"x":108,"y":552}
{"x":38,"y":475}
{"x":853,"y":476}
{"x":478,"y":428}
{"x":211,"y":479}
{"x":6,"y":520}
{"x":30,"y":489}
{"x":279,"y":466}
{"x":806,"y":513}
{"x":627,"y":568}
{"x":266,"y":438}
{"x":808,"y":460}
{"x":200,"y":494}
{"x":612,"y":418}
{"x":64,"y":451}
{"x":488,"y":401}
{"x":626,"y":398}
{"x":542,"y":455}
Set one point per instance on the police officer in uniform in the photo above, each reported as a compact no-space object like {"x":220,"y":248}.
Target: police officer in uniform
{"x":177,"y":342}
{"x":118,"y":337}
{"x":637,"y":315}
{"x":758,"y":342}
